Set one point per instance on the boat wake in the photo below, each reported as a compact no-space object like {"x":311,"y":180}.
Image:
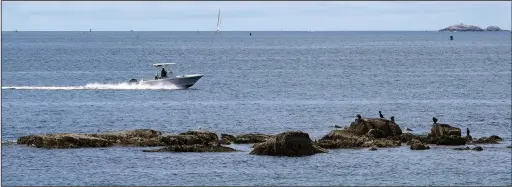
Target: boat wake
{"x":98,"y":86}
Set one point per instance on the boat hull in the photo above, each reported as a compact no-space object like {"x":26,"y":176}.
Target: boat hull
{"x":182,"y":82}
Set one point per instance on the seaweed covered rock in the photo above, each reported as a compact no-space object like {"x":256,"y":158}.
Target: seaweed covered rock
{"x":417,"y":145}
{"x":449,"y":140}
{"x":227,"y":139}
{"x":191,"y":138}
{"x":138,"y":137}
{"x":487,"y":140}
{"x":205,"y":136}
{"x":386,"y":127}
{"x":63,"y":141}
{"x":376,"y":133}
{"x":252,"y":138}
{"x":291,"y":143}
{"x":193,"y":148}
{"x":439,"y":130}
{"x":183,"y":140}
{"x":341,"y":139}
{"x":337,"y":139}
{"x":408,"y":138}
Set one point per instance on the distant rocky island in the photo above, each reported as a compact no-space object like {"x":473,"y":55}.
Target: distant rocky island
{"x":469,"y":28}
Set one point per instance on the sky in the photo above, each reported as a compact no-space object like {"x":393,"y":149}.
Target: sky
{"x":251,"y":15}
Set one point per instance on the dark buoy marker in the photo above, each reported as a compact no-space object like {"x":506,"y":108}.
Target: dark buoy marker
{"x":451,"y":37}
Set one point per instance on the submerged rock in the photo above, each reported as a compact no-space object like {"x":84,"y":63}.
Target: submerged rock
{"x":252,"y":138}
{"x":487,"y":140}
{"x":510,"y":146}
{"x":63,"y":141}
{"x":416,"y":145}
{"x":193,"y":148}
{"x":291,"y":143}
{"x":373,"y":149}
{"x":476,"y":148}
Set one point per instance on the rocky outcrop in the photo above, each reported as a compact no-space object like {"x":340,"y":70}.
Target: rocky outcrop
{"x":191,"y":138}
{"x":193,"y":148}
{"x":493,"y":28}
{"x":138,"y":137}
{"x":461,"y":28}
{"x":227,"y":139}
{"x":252,"y":138}
{"x":383,"y":127}
{"x":63,"y":141}
{"x":337,"y":139}
{"x":487,"y":140}
{"x":444,"y":134}
{"x":291,"y":143}
{"x":373,"y":148}
{"x":439,"y":130}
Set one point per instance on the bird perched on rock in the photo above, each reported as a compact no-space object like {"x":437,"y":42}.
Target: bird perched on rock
{"x":392,"y":118}
{"x":407,"y":129}
{"x":434,"y":119}
{"x":380,"y":114}
{"x":358,"y":116}
{"x":337,"y":126}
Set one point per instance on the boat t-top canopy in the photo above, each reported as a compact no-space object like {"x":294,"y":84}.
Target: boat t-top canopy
{"x":158,"y":65}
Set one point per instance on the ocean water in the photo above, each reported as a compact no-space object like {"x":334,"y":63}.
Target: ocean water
{"x":269,"y":82}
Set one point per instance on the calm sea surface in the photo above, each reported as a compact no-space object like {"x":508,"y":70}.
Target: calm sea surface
{"x":269,"y":83}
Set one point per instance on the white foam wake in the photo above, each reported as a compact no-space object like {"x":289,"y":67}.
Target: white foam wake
{"x":98,"y":86}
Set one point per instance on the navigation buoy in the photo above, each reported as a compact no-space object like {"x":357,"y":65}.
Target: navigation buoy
{"x":451,"y":37}
{"x":250,"y":34}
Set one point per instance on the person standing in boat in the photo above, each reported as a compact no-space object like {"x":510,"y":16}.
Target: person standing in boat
{"x":163,"y":74}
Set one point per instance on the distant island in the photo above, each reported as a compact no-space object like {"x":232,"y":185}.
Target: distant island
{"x":469,"y":28}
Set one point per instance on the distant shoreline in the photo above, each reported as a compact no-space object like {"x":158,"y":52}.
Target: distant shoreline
{"x":267,"y":31}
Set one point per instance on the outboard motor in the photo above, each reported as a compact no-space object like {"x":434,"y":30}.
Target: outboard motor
{"x":133,"y":81}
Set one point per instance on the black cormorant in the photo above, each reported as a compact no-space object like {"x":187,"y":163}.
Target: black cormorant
{"x":434,"y":119}
{"x":358,"y":116}
{"x":392,"y":118}
{"x":380,"y":114}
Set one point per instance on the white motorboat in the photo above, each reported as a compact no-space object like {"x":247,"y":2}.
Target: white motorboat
{"x":167,"y":77}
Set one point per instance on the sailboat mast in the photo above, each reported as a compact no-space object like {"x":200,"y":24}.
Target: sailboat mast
{"x":218,"y":21}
